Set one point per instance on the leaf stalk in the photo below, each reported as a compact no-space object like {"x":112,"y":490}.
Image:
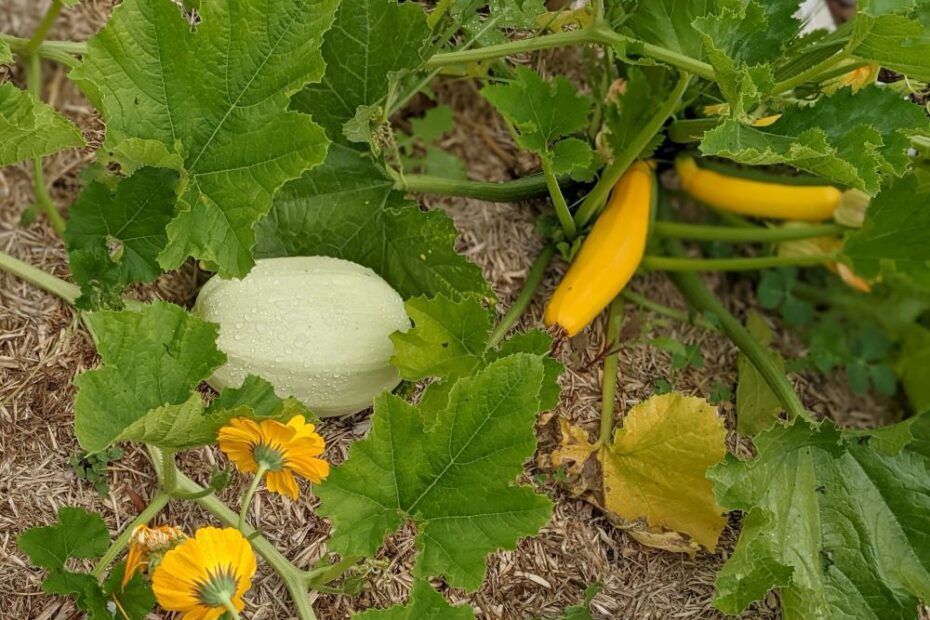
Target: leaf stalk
{"x":533,"y":277}
{"x":611,"y":367}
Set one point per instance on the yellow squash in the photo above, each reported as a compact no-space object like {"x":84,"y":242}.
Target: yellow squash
{"x":809,"y":203}
{"x":609,"y":256}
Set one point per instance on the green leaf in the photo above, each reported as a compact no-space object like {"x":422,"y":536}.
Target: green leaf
{"x":899,"y":42}
{"x":348,"y":209}
{"x":893,"y":232}
{"x":136,"y":599}
{"x":425,"y":603}
{"x":835,"y":523}
{"x":824,"y":139}
{"x":634,"y":108}
{"x":371,"y":42}
{"x":667,"y":23}
{"x":541,"y":111}
{"x":78,"y":534}
{"x":216,"y":97}
{"x":913,"y":367}
{"x":151,"y":358}
{"x":30,"y":128}
{"x":114,"y":237}
{"x":757,"y":407}
{"x":255,"y":393}
{"x":453,"y":478}
{"x":451,"y":339}
{"x":6,"y":55}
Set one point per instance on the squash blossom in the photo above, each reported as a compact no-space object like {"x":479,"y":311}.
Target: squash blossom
{"x":147,"y":545}
{"x":821,"y":245}
{"x":205,"y":576}
{"x":281,"y":450}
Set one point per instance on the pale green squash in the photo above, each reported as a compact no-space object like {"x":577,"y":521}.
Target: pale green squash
{"x":317,"y":328}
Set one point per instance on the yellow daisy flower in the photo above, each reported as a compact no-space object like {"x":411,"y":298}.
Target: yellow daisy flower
{"x":207,"y":575}
{"x":147,"y":545}
{"x":281,"y":450}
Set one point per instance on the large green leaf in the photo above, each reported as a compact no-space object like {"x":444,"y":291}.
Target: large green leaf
{"x":78,"y":534}
{"x":348,"y":209}
{"x":371,"y":41}
{"x":894,"y":232}
{"x":837,"y":522}
{"x":151,"y":358}
{"x":215,"y":96}
{"x":30,"y":128}
{"x":890,"y":34}
{"x":757,"y":406}
{"x":114,"y":237}
{"x":667,"y":23}
{"x":849,"y":139}
{"x":453,"y":478}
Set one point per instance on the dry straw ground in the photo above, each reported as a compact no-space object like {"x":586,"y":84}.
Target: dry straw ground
{"x":42,"y":348}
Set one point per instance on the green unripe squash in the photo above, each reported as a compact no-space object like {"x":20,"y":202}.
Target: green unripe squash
{"x":317,"y":328}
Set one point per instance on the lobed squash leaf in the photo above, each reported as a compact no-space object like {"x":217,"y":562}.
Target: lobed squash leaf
{"x":347,"y":208}
{"x":425,"y":602}
{"x":837,"y":521}
{"x":450,"y":472}
{"x":213,"y":100}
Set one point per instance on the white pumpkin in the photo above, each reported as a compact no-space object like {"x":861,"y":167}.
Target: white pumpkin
{"x":317,"y":328}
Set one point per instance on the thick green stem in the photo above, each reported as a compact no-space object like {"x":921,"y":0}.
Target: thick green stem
{"x":169,"y":472}
{"x":691,"y":130}
{"x":676,"y":263}
{"x":60,"y":51}
{"x":155,"y":506}
{"x":45,"y":281}
{"x":809,"y":74}
{"x":644,"y":302}
{"x":609,"y":177}
{"x":327,"y":574}
{"x":597,"y":34}
{"x":291,"y":576}
{"x":702,"y":300}
{"x":43,"y":199}
{"x":533,"y":278}
{"x":249,"y":494}
{"x":678,"y":230}
{"x":525,"y":188}
{"x":558,"y":201}
{"x":611,"y":366}
{"x":44,"y":26}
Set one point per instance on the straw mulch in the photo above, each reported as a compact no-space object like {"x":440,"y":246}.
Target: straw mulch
{"x":43,"y":347}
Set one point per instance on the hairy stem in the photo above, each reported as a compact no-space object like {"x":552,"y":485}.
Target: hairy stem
{"x":62,"y":52}
{"x":525,"y":188}
{"x":169,"y":472}
{"x":290,"y":574}
{"x":679,"y":230}
{"x":683,"y":263}
{"x":597,"y":34}
{"x":809,"y":74}
{"x":611,"y":366}
{"x":327,"y":574}
{"x":533,"y":278}
{"x":42,"y":279}
{"x":609,"y":177}
{"x":43,"y":199}
{"x":558,"y":201}
{"x":702,"y":300}
{"x":155,"y":506}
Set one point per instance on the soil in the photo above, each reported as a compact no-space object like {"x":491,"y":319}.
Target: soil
{"x":43,"y":347}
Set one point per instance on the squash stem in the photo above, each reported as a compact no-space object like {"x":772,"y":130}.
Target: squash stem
{"x":517,"y":190}
{"x":609,"y":177}
{"x":679,"y":230}
{"x":42,"y":197}
{"x":644,"y":302}
{"x":702,"y":300}
{"x":324,"y":575}
{"x":809,"y":74}
{"x":41,"y":31}
{"x":37,"y":277}
{"x":533,"y":278}
{"x":681,"y":263}
{"x":611,"y":367}
{"x":62,"y":52}
{"x":558,"y":201}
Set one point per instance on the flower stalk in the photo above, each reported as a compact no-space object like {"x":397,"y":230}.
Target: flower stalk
{"x":250,"y":493}
{"x":155,"y":506}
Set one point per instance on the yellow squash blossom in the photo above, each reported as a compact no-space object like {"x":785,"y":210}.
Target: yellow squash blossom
{"x":279,"y":449}
{"x":821,"y":245}
{"x":205,"y":576}
{"x":857,"y":79}
{"x":147,"y":545}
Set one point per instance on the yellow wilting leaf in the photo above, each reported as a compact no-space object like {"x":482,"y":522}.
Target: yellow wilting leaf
{"x":654,"y":471}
